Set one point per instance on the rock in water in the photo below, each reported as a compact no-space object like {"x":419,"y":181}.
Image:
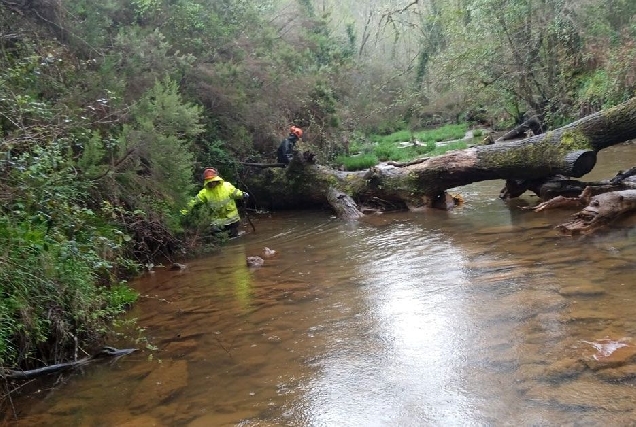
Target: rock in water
{"x":254,"y":261}
{"x":267,"y":252}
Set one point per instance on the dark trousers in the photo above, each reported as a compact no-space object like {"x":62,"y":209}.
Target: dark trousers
{"x":230,"y":229}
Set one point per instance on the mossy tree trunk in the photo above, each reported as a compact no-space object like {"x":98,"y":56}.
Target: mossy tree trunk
{"x":570,"y":151}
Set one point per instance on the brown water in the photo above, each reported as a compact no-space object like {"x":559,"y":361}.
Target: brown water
{"x":480,"y":316}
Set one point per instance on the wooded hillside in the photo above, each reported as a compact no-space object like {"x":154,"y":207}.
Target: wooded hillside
{"x":110,"y":110}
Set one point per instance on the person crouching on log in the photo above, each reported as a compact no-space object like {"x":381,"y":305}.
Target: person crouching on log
{"x":219,"y":197}
{"x":285,"y":150}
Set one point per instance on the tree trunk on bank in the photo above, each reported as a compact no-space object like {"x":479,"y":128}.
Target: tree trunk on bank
{"x":569,"y":151}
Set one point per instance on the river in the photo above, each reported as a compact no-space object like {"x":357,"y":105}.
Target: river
{"x":484,"y":315}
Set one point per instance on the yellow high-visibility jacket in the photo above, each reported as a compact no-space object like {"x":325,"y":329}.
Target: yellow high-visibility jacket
{"x":220,"y":202}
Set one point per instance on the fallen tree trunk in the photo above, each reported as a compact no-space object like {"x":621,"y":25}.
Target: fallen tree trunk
{"x":569,"y":151}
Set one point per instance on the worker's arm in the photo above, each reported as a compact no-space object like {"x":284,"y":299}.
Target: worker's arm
{"x":235,"y":193}
{"x":199,"y":198}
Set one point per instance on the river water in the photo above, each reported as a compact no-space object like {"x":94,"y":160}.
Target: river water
{"x":484,"y":315}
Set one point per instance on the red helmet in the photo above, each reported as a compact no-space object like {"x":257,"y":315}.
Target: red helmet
{"x":210,"y":173}
{"x":296,"y":131}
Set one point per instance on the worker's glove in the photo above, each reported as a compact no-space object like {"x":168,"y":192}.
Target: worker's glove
{"x":246,"y":195}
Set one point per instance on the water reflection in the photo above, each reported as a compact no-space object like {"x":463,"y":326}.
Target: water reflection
{"x":480,"y":316}
{"x":398,"y":356}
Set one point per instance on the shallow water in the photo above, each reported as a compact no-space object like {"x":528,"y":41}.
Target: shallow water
{"x":484,"y":315}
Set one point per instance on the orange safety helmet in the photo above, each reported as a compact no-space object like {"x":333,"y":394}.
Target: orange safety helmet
{"x":210,"y":173}
{"x":296,"y":131}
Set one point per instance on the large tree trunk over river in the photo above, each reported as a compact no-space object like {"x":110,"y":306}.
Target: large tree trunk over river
{"x":569,"y":151}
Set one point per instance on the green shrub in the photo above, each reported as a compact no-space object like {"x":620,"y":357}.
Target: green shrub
{"x":387,"y":151}
{"x":59,"y":257}
{"x":359,"y":144}
{"x":51,"y":297}
{"x":120,"y":297}
{"x":159,"y":132}
{"x":387,"y":127}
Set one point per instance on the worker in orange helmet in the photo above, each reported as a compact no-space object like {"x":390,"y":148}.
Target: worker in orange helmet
{"x":219,"y":197}
{"x":285,"y":150}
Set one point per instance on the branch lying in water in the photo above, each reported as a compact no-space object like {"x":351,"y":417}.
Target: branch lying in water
{"x":34,"y":373}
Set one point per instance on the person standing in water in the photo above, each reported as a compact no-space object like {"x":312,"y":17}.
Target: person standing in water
{"x":219,"y":196}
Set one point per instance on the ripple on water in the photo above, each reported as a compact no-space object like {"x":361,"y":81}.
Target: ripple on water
{"x":479,"y":316}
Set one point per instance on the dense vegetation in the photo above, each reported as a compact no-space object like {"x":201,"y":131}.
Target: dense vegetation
{"x":109,"y":111}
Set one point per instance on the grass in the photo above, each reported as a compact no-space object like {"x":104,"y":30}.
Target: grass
{"x":444,"y":133}
{"x":456,"y":145}
{"x":391,"y":151}
{"x":363,"y":161}
{"x":383,"y":148}
{"x":399,"y":136}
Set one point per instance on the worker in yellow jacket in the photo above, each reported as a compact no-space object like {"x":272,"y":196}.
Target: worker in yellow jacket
{"x":219,"y":197}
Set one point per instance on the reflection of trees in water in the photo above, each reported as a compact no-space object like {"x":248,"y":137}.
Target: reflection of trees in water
{"x":368,"y":311}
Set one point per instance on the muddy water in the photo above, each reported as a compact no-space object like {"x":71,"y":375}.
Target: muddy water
{"x":480,"y":316}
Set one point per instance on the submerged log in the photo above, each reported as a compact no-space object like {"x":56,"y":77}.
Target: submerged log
{"x":601,"y":211}
{"x":601,"y":202}
{"x":559,"y":191}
